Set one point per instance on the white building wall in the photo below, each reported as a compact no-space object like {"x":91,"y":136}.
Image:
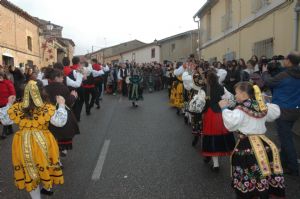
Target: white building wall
{"x":142,"y":55}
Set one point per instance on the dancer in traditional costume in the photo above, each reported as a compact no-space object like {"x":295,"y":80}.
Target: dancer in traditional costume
{"x":176,"y":98}
{"x":64,"y":135}
{"x":255,"y":162}
{"x":35,"y":154}
{"x":217,"y":140}
{"x":135,"y":89}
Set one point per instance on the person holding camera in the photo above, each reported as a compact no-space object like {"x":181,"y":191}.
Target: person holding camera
{"x":286,"y":94}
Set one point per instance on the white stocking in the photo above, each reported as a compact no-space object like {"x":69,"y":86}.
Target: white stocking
{"x":36,"y":194}
{"x":215,"y":160}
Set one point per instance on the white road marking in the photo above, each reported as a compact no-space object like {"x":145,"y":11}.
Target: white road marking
{"x":100,"y":162}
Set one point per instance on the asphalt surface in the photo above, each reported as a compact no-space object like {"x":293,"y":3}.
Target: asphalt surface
{"x":147,"y":155}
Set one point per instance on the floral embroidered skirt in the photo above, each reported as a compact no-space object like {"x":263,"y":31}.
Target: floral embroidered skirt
{"x":247,"y":179}
{"x":35,"y":158}
{"x":196,"y":124}
{"x":176,"y":98}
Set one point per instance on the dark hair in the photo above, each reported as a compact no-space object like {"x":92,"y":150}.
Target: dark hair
{"x":212,"y":78}
{"x":58,"y":66}
{"x":256,"y":59}
{"x":294,"y":58}
{"x":243,"y":65}
{"x":66,"y":61}
{"x":28,"y":112}
{"x":52,"y":73}
{"x":251,"y":62}
{"x":246,"y":87}
{"x":75,"y":60}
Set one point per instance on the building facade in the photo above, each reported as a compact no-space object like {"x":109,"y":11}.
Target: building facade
{"x":28,"y":41}
{"x":113,"y":53}
{"x":178,"y":47}
{"x":144,"y":54}
{"x":19,"y":36}
{"x":235,"y":29}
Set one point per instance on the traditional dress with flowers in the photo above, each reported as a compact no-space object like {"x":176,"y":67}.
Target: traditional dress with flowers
{"x":256,"y":166}
{"x":176,"y":98}
{"x":35,"y":154}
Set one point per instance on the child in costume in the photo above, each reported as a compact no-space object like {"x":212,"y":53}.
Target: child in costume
{"x":256,"y":166}
{"x":35,"y":154}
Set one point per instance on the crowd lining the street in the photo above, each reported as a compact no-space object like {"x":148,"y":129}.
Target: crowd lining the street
{"x":216,"y":99}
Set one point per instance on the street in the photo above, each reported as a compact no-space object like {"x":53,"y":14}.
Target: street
{"x":125,"y":152}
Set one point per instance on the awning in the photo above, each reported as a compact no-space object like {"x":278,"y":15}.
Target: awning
{"x":7,"y":55}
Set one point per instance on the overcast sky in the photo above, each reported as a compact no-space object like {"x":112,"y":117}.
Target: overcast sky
{"x":101,"y":23}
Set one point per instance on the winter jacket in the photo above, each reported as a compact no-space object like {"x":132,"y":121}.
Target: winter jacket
{"x":286,"y":91}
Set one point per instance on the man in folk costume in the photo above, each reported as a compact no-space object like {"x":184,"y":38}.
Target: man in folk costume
{"x":75,"y":74}
{"x":89,"y":87}
{"x":255,"y":162}
{"x":35,"y":154}
{"x":122,"y":75}
{"x":135,"y":88}
{"x":176,"y":98}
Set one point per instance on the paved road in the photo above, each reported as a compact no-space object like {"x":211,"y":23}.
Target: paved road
{"x":146,"y":153}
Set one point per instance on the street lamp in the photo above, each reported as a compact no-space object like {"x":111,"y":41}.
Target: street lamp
{"x":49,"y":26}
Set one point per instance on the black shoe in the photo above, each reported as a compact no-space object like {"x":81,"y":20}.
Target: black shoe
{"x":45,"y":192}
{"x":88,"y":113}
{"x":215,"y":169}
{"x":133,"y":104}
{"x":98,"y":107}
{"x":207,"y":159}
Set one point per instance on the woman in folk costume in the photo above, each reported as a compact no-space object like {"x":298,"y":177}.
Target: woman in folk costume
{"x":176,"y":98}
{"x":64,"y":135}
{"x":194,"y":84}
{"x":135,"y":88}
{"x":255,"y":162}
{"x":35,"y":154}
{"x":217,"y":141}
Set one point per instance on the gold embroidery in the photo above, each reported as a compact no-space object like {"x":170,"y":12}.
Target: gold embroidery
{"x":260,"y":154}
{"x":32,"y":90}
{"x":41,"y":140}
{"x":277,"y":168}
{"x":28,"y":158}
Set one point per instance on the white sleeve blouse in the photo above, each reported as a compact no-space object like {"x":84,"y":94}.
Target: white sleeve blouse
{"x":238,"y":120}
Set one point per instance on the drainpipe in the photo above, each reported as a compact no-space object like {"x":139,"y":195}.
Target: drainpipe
{"x":296,"y":26}
{"x":198,"y":43}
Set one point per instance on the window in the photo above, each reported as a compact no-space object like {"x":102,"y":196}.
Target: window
{"x":173,"y":47}
{"x":29,"y":43}
{"x":258,"y":4}
{"x":153,"y":53}
{"x":133,"y":56}
{"x":208,"y":26}
{"x":229,"y":56}
{"x":263,"y":48}
{"x":227,"y":18}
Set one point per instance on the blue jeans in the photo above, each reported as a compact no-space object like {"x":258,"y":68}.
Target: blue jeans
{"x":288,"y":152}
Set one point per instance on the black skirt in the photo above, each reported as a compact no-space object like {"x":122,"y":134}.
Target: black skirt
{"x":247,"y":179}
